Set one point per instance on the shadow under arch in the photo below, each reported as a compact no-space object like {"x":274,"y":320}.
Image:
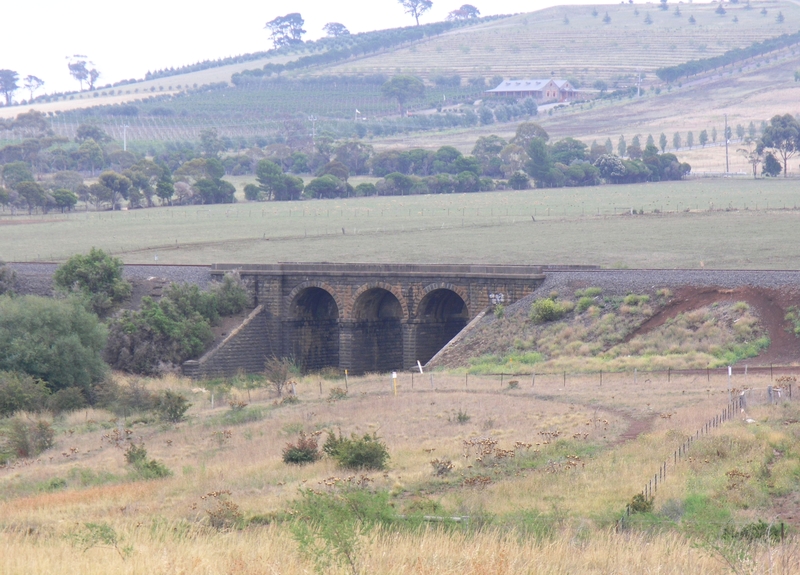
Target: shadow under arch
{"x":312,"y":329}
{"x":377,"y":332}
{"x":441,"y":314}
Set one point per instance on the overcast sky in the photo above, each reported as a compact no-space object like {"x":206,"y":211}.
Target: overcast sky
{"x":126,"y":39}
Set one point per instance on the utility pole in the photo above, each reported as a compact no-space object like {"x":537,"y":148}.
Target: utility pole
{"x":727,"y":165}
{"x":125,"y":137}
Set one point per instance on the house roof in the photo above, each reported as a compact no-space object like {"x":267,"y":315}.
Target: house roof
{"x":527,"y":85}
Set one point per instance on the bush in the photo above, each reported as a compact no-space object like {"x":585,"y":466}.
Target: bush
{"x":21,"y":392}
{"x":57,"y":341}
{"x":136,"y":456}
{"x":30,"y":438}
{"x":546,"y":309}
{"x":174,"y":329}
{"x":639,"y":504}
{"x":306,"y":450}
{"x":69,"y":399}
{"x":278,"y":372}
{"x":172,"y":406}
{"x":584,"y":303}
{"x":97,"y":276}
{"x":367,"y":452}
{"x":7,"y":279}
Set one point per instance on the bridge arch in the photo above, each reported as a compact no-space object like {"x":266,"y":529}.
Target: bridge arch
{"x":376,"y":328}
{"x":396,"y":291}
{"x":312,"y":326}
{"x":441,"y":314}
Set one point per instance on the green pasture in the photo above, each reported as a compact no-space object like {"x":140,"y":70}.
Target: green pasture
{"x":711,"y":223}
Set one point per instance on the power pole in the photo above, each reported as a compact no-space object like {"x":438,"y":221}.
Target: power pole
{"x":727,"y":165}
{"x":125,"y":137}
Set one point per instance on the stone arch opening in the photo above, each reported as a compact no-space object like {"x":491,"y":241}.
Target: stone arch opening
{"x":441,"y":314}
{"x":377,"y":332}
{"x":313,"y":329}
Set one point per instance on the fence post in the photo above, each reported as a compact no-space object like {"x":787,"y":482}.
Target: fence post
{"x":501,"y":379}
{"x":431,"y":380}
{"x":635,"y":372}
{"x":533,"y":380}
{"x":669,"y":374}
{"x":466,"y":380}
{"x":412,"y":380}
{"x":601,"y":378}
{"x":708,"y":375}
{"x":565,"y":379}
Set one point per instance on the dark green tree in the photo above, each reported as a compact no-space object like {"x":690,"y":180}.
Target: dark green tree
{"x":165,"y":188}
{"x":58,"y":341}
{"x":704,"y":138}
{"x":33,"y":193}
{"x":662,"y":142}
{"x":782,"y":136}
{"x":97,"y":276}
{"x":772,"y":166}
{"x":403,"y":89}
{"x":119,"y":185}
{"x":64,"y":200}
{"x":270,"y":178}
{"x":16,"y":172}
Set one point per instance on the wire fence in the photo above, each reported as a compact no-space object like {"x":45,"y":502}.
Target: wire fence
{"x":738,"y":402}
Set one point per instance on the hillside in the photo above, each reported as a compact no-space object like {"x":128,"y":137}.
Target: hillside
{"x":542,"y":44}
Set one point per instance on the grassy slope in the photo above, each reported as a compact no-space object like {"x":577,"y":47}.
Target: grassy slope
{"x":540,"y":44}
{"x":577,"y":498}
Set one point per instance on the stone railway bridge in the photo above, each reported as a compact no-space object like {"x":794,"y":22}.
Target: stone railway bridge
{"x":358,"y":317}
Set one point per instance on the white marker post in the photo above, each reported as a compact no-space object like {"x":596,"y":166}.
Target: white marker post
{"x":394,"y":381}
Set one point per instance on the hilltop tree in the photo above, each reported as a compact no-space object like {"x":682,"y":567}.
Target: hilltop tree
{"x":714,"y":135}
{"x":622,"y":147}
{"x":286,"y":30}
{"x":79,"y":69}
{"x":662,"y":142}
{"x":403,"y":89}
{"x":335,"y":30}
{"x":664,"y":5}
{"x":676,"y":140}
{"x":466,"y":12}
{"x":416,"y":8}
{"x":690,"y":140}
{"x":32,"y":83}
{"x":692,"y":20}
{"x":635,"y":149}
{"x":779,"y":18}
{"x":721,"y":10}
{"x":704,"y":138}
{"x":606,"y":19}
{"x":783,"y":136}
{"x":528,"y":131}
{"x":8,"y":84}
{"x":647,"y":19}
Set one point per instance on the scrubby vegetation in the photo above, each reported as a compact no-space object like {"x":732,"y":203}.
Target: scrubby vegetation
{"x":172,"y":329}
{"x":598,"y":333}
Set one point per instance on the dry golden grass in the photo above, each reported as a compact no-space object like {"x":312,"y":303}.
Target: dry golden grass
{"x":166,"y":521}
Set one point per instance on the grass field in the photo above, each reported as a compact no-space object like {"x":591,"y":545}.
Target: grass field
{"x":754,"y":224}
{"x":591,"y":447}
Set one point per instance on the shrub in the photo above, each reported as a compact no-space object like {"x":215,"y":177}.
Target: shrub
{"x":123,"y":399}
{"x":136,"y":456}
{"x":588,"y":292}
{"x":173,"y":329}
{"x":278,"y":372}
{"x":97,"y":276}
{"x":57,"y":341}
{"x":442,"y":467}
{"x":584,"y":303}
{"x":460,"y":417}
{"x":546,"y":309}
{"x":172,"y":406}
{"x":30,"y":438}
{"x":633,"y":299}
{"x":7,"y":279}
{"x":69,"y":399}
{"x":306,"y":450}
{"x":639,"y":504}
{"x":367,"y":452}
{"x":337,"y":393}
{"x":21,"y":392}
